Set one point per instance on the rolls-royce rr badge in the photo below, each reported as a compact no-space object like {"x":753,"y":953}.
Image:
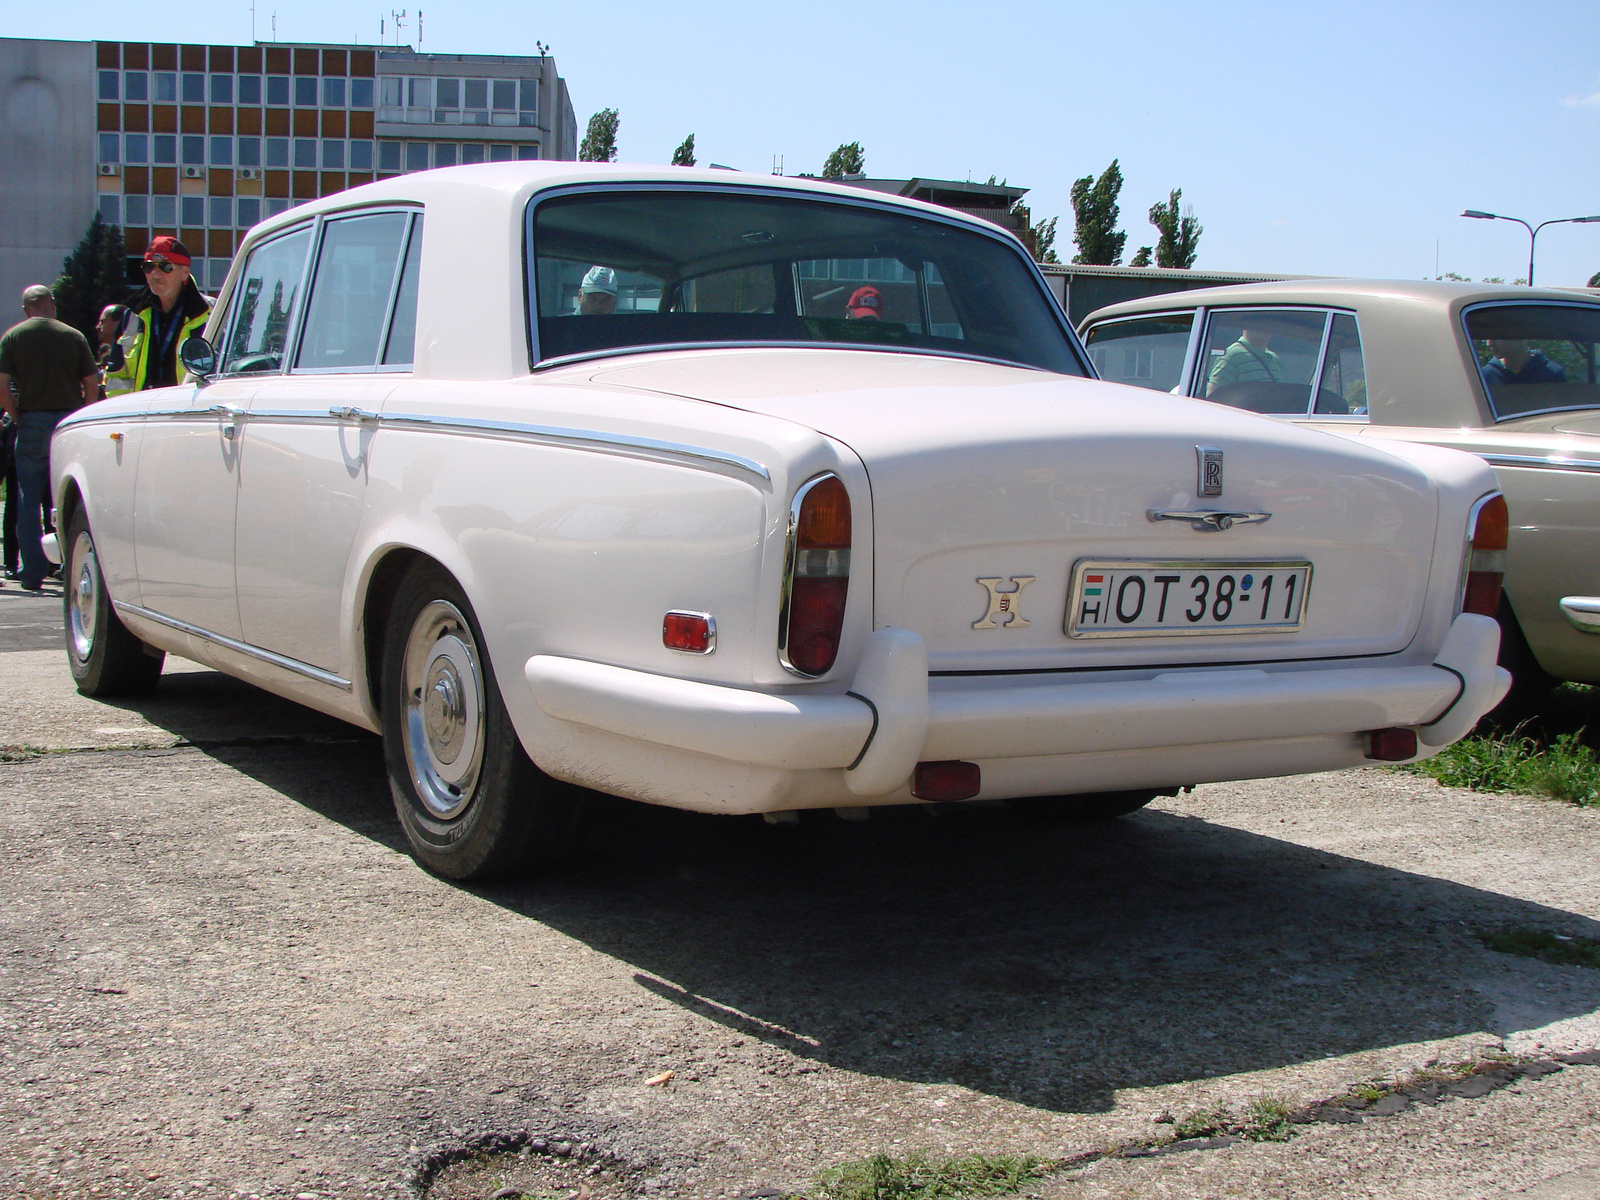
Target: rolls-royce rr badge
{"x":1209,"y":464}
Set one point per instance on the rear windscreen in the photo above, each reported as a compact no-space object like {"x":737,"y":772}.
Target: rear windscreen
{"x":1537,"y":357}
{"x":637,"y":268}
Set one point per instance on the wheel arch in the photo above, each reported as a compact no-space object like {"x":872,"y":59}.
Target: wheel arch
{"x":377,"y":600}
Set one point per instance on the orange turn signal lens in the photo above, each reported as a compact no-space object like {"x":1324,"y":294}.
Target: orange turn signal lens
{"x":824,"y":522}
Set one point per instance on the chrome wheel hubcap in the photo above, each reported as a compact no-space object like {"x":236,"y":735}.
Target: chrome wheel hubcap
{"x":83,"y":597}
{"x":444,"y":709}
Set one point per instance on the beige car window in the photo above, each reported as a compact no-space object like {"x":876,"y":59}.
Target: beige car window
{"x":1342,"y":390}
{"x":1147,"y":353}
{"x":1261,"y":359}
{"x":1537,"y":357}
{"x":351,"y":293}
{"x":264,"y":305}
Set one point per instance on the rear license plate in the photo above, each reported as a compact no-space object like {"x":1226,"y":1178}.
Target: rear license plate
{"x":1151,"y":599}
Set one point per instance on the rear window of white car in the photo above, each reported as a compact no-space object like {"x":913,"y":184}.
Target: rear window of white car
{"x":630,"y":268}
{"x":1537,"y":357}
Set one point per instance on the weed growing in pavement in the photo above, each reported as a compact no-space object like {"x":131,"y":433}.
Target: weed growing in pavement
{"x":1267,"y":1121}
{"x":1564,"y":769}
{"x":918,"y":1177}
{"x":1558,"y":948}
{"x":1206,"y":1123}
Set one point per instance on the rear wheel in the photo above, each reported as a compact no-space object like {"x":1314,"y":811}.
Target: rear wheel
{"x":105,"y":658}
{"x":1091,"y":806}
{"x":471,"y":801}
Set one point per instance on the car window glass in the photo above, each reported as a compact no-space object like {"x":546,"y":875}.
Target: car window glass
{"x":1537,"y":357}
{"x":350,"y":294}
{"x":1147,"y":353}
{"x":1342,"y":390}
{"x":264,"y":305}
{"x":674,"y":267}
{"x":1261,"y":359}
{"x":401,"y":348}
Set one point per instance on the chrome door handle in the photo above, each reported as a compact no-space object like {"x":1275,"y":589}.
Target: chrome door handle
{"x":347,"y":412}
{"x":1209,"y":522}
{"x":229,"y":416}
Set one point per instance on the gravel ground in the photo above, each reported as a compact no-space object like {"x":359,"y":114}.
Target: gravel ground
{"x":222,"y":975}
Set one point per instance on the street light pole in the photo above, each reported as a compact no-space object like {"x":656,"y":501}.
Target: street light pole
{"x":1533,"y":230}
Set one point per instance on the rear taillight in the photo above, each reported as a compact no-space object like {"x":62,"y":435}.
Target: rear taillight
{"x":1486,"y":559}
{"x":818,"y":577}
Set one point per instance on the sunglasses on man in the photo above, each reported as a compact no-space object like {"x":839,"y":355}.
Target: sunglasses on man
{"x":161,"y":265}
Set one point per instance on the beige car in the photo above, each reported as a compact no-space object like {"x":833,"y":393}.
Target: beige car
{"x":1509,"y":373}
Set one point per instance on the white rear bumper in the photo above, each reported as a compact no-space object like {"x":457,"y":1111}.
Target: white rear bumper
{"x":892,"y":719}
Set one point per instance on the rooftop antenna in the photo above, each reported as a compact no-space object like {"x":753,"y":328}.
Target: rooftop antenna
{"x":419,"y":29}
{"x":399,"y":24}
{"x":274,"y":24}
{"x":252,"y":20}
{"x":777,"y":164}
{"x":544,"y":51}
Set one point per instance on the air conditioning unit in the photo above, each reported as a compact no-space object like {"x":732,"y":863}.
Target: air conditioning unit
{"x":194,"y":172}
{"x":110,"y":169}
{"x":249,"y":172}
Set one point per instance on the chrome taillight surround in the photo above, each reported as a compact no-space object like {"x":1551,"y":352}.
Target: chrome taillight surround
{"x":808,"y":563}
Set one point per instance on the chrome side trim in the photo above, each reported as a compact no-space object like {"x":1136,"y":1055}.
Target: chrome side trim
{"x":1541,"y":462}
{"x":256,"y":652}
{"x":1583,"y":612}
{"x":469,"y":426}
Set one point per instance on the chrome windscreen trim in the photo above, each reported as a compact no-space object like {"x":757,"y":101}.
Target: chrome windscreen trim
{"x":1541,"y":462}
{"x":471,"y":427}
{"x":228,"y":643}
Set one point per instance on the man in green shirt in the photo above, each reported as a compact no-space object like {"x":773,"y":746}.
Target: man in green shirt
{"x":54,"y":373}
{"x":1246,"y":361}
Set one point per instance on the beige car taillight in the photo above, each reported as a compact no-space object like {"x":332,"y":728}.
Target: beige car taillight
{"x":1486,"y":563}
{"x":818,"y":577}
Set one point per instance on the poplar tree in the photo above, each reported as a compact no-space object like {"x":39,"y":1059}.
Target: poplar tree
{"x":1180,"y":234}
{"x":1095,"y":214}
{"x":600,"y":139}
{"x":848,"y":159}
{"x":683,"y":156}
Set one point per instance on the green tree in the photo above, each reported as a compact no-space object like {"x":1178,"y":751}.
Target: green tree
{"x":1180,"y":232}
{"x":94,"y":275}
{"x":1594,"y":280}
{"x":683,"y":156}
{"x":1041,"y":238}
{"x":1141,"y":257}
{"x":1095,"y":214}
{"x":848,"y":159}
{"x":600,"y":139}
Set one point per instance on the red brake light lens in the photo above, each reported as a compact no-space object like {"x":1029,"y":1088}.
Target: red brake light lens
{"x":819,"y":577}
{"x":948,"y":780}
{"x":690,"y":632}
{"x":1486,"y":565}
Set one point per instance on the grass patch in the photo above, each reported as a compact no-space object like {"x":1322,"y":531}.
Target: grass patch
{"x":917,"y":1177}
{"x":1206,"y":1123}
{"x":1558,"y":948}
{"x":1267,"y":1121}
{"x":1563,"y":769}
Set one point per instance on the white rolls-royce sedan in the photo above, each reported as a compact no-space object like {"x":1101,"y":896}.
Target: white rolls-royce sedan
{"x":748,"y":495}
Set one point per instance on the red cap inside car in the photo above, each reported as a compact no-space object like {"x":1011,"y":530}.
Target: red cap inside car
{"x":865,"y":302}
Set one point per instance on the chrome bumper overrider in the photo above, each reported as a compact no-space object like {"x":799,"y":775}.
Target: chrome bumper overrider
{"x":890,"y":720}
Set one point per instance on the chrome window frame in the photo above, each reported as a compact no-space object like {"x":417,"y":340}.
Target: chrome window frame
{"x":1197,"y":322}
{"x":1477,"y":371}
{"x":1329,"y":311}
{"x":530,"y":276}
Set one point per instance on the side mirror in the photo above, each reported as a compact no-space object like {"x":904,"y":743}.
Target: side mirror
{"x":198,"y":358}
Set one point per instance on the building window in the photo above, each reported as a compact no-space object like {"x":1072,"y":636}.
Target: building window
{"x":194,"y":89}
{"x":109,"y":86}
{"x":249,"y":211}
{"x":193,"y":211}
{"x":274,"y":207}
{"x":222,"y":89}
{"x":166,"y":87}
{"x":305,"y":91}
{"x":447,"y":93}
{"x":221,"y":212}
{"x":111,"y":208}
{"x":444,"y":154}
{"x":361,"y":156}
{"x":222,"y":152}
{"x":333,"y":93}
{"x":277,"y":152}
{"x":361,"y":93}
{"x":528,"y":105}
{"x":505,"y":95}
{"x":477,"y":93}
{"x":277,"y":89}
{"x":501,"y":154}
{"x":164,"y":211}
{"x":419,"y":92}
{"x":388,"y":156}
{"x":136,"y":210}
{"x":194,"y":150}
{"x":472,"y":152}
{"x":135,"y":86}
{"x":110,"y":152}
{"x":528,"y":153}
{"x":332,"y":155}
{"x":136,"y":148}
{"x":305,"y":152}
{"x":391,"y":92}
{"x":164,"y":148}
{"x":249,"y":89}
{"x":416,"y":156}
{"x":249,"y":152}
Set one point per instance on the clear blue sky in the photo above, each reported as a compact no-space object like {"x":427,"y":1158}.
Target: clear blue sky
{"x":1337,"y":138}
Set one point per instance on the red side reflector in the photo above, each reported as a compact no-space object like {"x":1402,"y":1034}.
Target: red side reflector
{"x":949,"y":780}
{"x":1391,"y":745}
{"x":692,"y":633}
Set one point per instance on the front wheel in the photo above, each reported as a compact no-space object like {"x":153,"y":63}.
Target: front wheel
{"x":472,"y":803}
{"x":105,"y":658}
{"x":1091,"y":806}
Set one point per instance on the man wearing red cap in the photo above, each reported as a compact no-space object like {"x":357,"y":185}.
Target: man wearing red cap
{"x":865,"y":304}
{"x":169,"y":309}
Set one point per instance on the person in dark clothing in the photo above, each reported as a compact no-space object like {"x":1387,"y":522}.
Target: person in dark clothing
{"x":55,"y":373}
{"x":1513,"y":362}
{"x":169,"y":309}
{"x":8,"y":519}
